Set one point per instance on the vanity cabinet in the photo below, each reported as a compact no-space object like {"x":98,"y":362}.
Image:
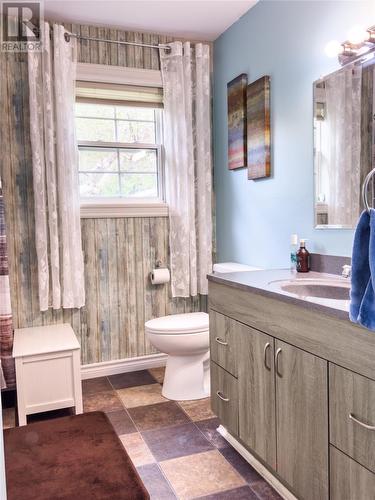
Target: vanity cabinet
{"x":305,"y":383}
{"x":282,"y":404}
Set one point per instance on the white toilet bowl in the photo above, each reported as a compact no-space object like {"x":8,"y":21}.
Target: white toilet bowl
{"x":185,"y":338}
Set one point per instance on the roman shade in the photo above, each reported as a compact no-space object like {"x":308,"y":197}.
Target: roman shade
{"x":122,"y":94}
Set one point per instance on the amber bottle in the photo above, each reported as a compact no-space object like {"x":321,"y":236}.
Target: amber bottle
{"x":303,"y":258}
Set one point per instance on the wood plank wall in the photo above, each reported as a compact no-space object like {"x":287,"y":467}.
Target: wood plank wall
{"x":119,"y":253}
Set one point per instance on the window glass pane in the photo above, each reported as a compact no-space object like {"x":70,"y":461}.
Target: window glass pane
{"x":99,"y":185}
{"x":139,"y":185}
{"x":136,"y":113}
{"x":138,"y":160}
{"x":95,"y":129}
{"x":100,"y":160}
{"x":95,"y":110}
{"x":136,"y":132}
{"x":114,"y":171}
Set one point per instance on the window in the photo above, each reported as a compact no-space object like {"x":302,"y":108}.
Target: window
{"x":120,"y":156}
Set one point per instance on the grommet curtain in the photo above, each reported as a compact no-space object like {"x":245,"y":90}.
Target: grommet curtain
{"x":52,"y":75}
{"x":188,"y":164}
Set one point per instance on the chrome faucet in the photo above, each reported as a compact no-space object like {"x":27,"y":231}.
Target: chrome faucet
{"x":346,"y":271}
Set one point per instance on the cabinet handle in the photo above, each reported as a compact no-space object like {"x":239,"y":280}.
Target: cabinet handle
{"x":278,"y":352}
{"x":223,"y":398}
{"x":266,"y":347}
{"x":220,"y":341}
{"x":362,"y":424}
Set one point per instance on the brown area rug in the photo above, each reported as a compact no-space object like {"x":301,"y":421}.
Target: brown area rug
{"x":77,"y":457}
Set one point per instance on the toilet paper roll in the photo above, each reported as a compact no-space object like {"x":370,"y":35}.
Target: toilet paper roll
{"x":159,"y":276}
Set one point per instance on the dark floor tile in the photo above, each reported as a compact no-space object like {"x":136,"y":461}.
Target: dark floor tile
{"x":264,"y":491}
{"x":257,"y":484}
{"x":102,"y":401}
{"x":242,"y":467}
{"x":157,"y":416}
{"x":155,"y":482}
{"x":131,"y":379}
{"x":177,"y":441}
{"x":95,"y":385}
{"x":121,"y":422}
{"x":8,"y":398}
{"x":243,"y":493}
{"x":208,"y":427}
{"x":49,"y":415}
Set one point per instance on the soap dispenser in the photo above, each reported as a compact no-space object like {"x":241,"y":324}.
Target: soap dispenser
{"x":293,"y":252}
{"x":303,"y":258}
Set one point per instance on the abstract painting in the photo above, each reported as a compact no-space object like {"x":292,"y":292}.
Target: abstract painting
{"x":237,"y":155}
{"x":258,"y":129}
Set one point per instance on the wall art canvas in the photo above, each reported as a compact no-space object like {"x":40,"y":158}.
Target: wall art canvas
{"x":258,"y":129}
{"x":237,"y":154}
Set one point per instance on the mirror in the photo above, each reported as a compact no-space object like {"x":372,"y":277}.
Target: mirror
{"x":344,"y":116}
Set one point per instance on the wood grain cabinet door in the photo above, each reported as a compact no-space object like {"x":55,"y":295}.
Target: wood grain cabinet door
{"x":302,"y":421}
{"x":224,"y":397}
{"x":256,"y":392}
{"x":352,"y":415}
{"x":223,"y":339}
{"x":349,"y":480}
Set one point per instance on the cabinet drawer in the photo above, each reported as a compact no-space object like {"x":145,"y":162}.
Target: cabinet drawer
{"x":224,"y":397}
{"x":352,"y":415}
{"x":223,"y":341}
{"x":349,"y":480}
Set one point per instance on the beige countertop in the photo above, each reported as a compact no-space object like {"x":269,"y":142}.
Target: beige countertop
{"x":267,"y":283}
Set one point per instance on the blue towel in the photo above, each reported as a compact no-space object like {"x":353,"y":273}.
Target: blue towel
{"x":362,"y":294}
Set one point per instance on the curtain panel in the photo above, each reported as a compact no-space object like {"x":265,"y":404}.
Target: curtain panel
{"x":7,"y":368}
{"x":188,"y":164}
{"x":52,"y":75}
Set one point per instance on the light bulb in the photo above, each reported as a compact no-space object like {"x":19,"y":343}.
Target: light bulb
{"x":333,"y":48}
{"x":357,"y":34}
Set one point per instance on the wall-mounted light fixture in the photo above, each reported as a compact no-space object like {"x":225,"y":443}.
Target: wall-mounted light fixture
{"x":360,"y":42}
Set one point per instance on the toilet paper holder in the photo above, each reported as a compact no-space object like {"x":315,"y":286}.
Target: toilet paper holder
{"x":160,"y":274}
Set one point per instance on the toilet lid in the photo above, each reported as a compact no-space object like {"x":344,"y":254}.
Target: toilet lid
{"x":179,"y":323}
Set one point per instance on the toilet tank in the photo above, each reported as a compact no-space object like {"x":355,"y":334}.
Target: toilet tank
{"x":232,"y":267}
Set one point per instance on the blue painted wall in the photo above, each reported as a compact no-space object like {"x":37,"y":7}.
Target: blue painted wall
{"x":286,"y":40}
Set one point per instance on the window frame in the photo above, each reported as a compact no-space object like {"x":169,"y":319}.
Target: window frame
{"x":92,"y":207}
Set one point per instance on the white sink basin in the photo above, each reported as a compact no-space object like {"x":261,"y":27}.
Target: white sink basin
{"x":330,"y":288}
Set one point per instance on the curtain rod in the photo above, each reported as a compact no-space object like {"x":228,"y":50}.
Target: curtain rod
{"x":80,"y":37}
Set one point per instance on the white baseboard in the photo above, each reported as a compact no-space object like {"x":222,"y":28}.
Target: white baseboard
{"x":122,"y":366}
{"x":258,"y":466}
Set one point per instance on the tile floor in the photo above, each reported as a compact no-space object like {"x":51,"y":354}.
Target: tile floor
{"x":175,"y":446}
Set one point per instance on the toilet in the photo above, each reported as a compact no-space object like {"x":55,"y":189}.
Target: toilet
{"x":185,"y":338}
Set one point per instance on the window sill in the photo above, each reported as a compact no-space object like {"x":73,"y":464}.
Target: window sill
{"x":100,"y":210}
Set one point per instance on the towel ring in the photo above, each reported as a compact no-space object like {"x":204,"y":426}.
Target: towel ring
{"x":365,"y":189}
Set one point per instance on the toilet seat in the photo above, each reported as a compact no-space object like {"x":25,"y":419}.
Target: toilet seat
{"x":176,"y":324}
